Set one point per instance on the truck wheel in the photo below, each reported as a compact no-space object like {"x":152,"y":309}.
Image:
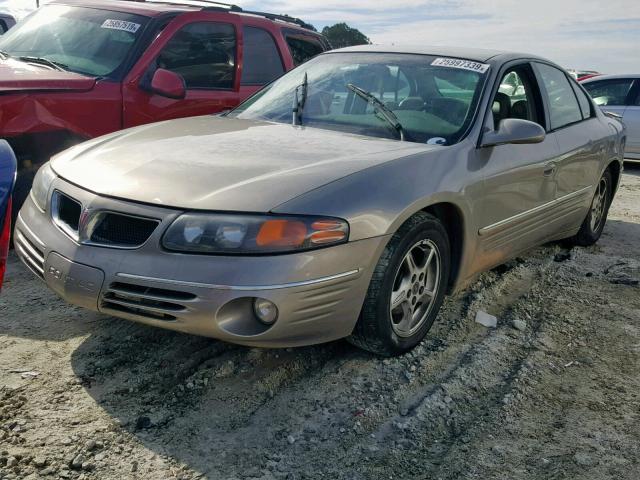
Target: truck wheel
{"x":407,"y":288}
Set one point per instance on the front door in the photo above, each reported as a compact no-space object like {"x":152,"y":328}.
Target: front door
{"x":203,"y":50}
{"x":519,"y":179}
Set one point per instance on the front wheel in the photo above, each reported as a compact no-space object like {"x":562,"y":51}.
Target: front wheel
{"x":407,"y":288}
{"x":593,"y":224}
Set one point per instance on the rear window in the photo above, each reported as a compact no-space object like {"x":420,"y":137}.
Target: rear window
{"x":303,"y":47}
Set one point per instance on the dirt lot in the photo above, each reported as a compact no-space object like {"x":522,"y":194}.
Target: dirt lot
{"x":552,"y":392}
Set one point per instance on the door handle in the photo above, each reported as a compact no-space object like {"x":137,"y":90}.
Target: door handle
{"x":549,"y":168}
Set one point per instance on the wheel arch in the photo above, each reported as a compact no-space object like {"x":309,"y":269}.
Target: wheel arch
{"x":452,"y":218}
{"x":616,"y":169}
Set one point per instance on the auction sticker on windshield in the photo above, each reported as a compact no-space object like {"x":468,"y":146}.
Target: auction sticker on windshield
{"x":459,"y":63}
{"x":121,"y":25}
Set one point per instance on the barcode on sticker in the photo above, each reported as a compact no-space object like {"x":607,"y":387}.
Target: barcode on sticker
{"x":121,"y":25}
{"x":459,"y":63}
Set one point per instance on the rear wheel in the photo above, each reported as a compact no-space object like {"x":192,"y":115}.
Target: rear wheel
{"x":407,"y":288}
{"x":593,"y":224}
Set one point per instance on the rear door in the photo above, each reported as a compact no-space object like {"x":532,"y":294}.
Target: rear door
{"x":203,"y":48}
{"x":632,"y":121}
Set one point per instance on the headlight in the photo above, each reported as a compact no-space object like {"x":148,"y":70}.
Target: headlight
{"x":247,"y":234}
{"x":41,"y":184}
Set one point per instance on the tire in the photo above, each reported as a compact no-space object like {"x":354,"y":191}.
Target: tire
{"x":389,"y":331}
{"x":594,"y":223}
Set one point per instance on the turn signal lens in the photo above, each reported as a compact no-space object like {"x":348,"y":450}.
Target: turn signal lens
{"x":282,"y":233}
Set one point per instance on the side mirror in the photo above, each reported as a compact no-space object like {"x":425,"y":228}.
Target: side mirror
{"x":168,"y":84}
{"x":514,"y":130}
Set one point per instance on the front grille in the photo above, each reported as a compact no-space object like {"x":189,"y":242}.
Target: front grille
{"x":119,"y":230}
{"x":30,"y":253}
{"x":148,"y":302}
{"x":67,"y":212}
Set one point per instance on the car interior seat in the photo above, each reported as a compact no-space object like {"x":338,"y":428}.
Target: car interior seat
{"x":520,"y":110}
{"x":501,"y":108}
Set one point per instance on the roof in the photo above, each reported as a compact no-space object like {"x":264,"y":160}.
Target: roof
{"x":155,"y":8}
{"x":474,"y":54}
{"x":147,"y":9}
{"x":611,"y":77}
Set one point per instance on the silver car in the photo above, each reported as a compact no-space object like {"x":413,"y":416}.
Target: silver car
{"x":620,"y":94}
{"x":344,"y":200}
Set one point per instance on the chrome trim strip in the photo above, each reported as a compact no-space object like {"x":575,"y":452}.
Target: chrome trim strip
{"x":239,"y":287}
{"x":23,"y":242}
{"x":520,"y":216}
{"x":26,"y":227}
{"x":30,"y":262}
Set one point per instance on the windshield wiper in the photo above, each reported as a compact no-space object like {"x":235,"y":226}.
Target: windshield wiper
{"x":299,"y":100}
{"x":379,"y":107}
{"x":44,"y":61}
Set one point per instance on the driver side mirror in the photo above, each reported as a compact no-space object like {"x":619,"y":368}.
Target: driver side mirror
{"x":168,"y":84}
{"x":514,"y":131}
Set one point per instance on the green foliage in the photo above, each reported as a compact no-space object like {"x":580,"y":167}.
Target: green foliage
{"x":342,"y":35}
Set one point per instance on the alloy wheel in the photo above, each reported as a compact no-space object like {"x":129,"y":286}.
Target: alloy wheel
{"x":415,"y":287}
{"x":599,"y":205}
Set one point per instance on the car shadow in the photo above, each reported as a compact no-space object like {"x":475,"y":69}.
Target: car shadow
{"x":204,"y":403}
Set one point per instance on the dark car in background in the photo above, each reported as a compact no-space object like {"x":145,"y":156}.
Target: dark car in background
{"x":6,"y":22}
{"x":620,"y":94}
{"x":74,"y":70}
{"x":7,"y":179}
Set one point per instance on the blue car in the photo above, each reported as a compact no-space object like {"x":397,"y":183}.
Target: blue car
{"x":8,"y":167}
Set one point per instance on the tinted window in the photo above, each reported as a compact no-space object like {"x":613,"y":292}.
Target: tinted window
{"x":303,"y":47}
{"x":583,"y":100}
{"x":3,"y":27}
{"x":262,"y":63}
{"x":609,"y":92}
{"x":563,"y":104}
{"x":203,"y":53}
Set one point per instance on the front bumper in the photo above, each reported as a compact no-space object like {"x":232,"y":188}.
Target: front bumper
{"x":319,"y":294}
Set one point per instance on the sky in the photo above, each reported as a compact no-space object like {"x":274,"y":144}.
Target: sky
{"x":582,"y":34}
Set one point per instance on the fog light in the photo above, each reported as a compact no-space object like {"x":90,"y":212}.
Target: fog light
{"x":265,"y":310}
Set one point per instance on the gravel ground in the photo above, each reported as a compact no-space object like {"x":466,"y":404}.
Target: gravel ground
{"x":552,"y":392}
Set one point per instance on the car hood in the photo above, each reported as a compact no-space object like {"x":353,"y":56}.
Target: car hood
{"x":217,"y":163}
{"x":17,"y":76}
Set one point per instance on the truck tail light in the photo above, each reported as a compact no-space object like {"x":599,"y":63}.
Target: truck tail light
{"x":4,"y":240}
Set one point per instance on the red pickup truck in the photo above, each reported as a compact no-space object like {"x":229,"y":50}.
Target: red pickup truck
{"x":77,"y":69}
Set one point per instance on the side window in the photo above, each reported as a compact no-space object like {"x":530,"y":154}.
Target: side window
{"x":515,"y":97}
{"x":637,"y":102}
{"x":302,"y":47}
{"x":609,"y":92}
{"x":563,"y":104}
{"x":3,"y":27}
{"x":261,"y":60}
{"x":204,"y":53}
{"x":583,"y":100}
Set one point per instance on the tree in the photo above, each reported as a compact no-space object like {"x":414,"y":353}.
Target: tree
{"x":342,"y":35}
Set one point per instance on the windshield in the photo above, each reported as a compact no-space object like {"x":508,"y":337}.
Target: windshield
{"x":84,"y":40}
{"x":432,"y":103}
